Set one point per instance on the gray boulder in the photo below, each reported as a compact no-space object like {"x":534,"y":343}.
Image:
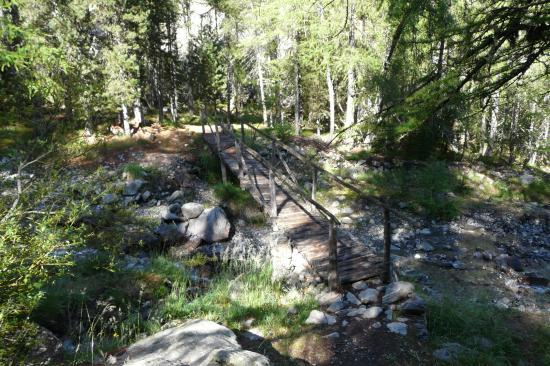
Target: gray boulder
{"x":336,"y":306}
{"x":368,"y":296}
{"x":211,"y":226}
{"x":191,"y":210}
{"x":397,"y":327}
{"x":132,"y":187}
{"x":171,"y":233}
{"x":319,"y":318}
{"x":413,"y":306}
{"x":172,"y":213}
{"x":195,"y":343}
{"x":396,"y":291}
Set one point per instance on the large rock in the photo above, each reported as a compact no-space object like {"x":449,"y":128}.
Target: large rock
{"x":195,"y":343}
{"x":413,"y":306}
{"x":47,"y":349}
{"x":191,"y":210}
{"x":211,"y":226}
{"x":396,"y":291}
{"x":175,"y":196}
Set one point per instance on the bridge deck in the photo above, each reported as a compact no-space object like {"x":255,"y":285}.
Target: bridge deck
{"x":307,"y":230}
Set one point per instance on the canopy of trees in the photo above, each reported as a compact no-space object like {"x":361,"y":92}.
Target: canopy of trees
{"x":419,"y":79}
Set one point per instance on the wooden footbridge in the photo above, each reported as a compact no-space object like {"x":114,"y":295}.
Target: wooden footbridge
{"x":268,"y":173}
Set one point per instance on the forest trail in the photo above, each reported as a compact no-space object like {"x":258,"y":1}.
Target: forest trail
{"x":307,"y":230}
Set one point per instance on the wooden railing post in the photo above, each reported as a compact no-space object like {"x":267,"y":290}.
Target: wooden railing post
{"x":387,"y":246}
{"x":222,"y":164}
{"x":314,"y":184}
{"x":333,"y":277}
{"x":272,"y":188}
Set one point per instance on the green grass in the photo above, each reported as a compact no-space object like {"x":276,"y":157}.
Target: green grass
{"x":512,"y":337}
{"x":239,"y":202}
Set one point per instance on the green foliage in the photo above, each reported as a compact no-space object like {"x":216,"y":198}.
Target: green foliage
{"x":134,"y":171}
{"x":429,"y":189}
{"x":283,"y":131}
{"x":513,"y":338}
{"x":46,"y":219}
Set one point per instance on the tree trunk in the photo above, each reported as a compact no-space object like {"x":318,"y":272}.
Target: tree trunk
{"x":297,"y":97}
{"x":261,"y":82}
{"x":331,"y":102}
{"x":350,"y":102}
{"x":542,"y":139}
{"x":125,"y":120}
{"x":493,"y":125}
{"x":138,"y":113}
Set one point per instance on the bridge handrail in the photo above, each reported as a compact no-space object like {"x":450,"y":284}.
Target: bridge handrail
{"x":334,"y":177}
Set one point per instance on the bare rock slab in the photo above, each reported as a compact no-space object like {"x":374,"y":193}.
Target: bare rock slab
{"x":398,"y":327}
{"x":195,"y":343}
{"x":369,"y":296}
{"x":211,"y":226}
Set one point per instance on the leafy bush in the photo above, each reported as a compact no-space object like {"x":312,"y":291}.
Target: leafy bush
{"x":134,"y":171}
{"x":46,"y":219}
{"x":283,"y":131}
{"x":428,"y":189}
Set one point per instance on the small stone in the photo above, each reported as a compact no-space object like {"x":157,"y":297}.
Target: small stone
{"x":327,"y":298}
{"x":346,"y":211}
{"x":425,"y":231}
{"x":109,"y":199}
{"x":336,"y":306}
{"x":396,"y":291}
{"x":333,"y":335}
{"x":360,"y":285}
{"x":449,"y":352}
{"x":458,"y":265}
{"x":487,"y":256}
{"x":357,"y":312}
{"x":506,"y":262}
{"x":376,"y":325}
{"x":176,"y":195}
{"x":352,"y":299}
{"x":346,"y":220}
{"x":345,"y":323}
{"x":424,"y":247}
{"x":145,"y":196}
{"x":132,"y":187}
{"x":292,"y":310}
{"x":397,"y":327}
{"x":372,"y":312}
{"x":172,"y":213}
{"x":368,"y":296}
{"x":389,"y":314}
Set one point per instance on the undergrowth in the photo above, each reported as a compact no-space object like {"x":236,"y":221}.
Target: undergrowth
{"x":491,"y":335}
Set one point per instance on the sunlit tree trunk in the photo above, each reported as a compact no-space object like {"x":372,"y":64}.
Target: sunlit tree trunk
{"x":138,"y":113}
{"x":125,"y":120}
{"x":297,"y":97}
{"x":259,"y":65}
{"x":331,"y":102}
{"x":350,"y":101}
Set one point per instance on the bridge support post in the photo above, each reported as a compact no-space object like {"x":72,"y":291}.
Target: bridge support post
{"x":333,"y":277}
{"x":387,"y":246}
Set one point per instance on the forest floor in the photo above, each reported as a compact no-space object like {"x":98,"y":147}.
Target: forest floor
{"x":483,"y":273}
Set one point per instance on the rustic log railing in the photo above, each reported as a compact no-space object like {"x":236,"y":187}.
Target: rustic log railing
{"x":291,"y":182}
